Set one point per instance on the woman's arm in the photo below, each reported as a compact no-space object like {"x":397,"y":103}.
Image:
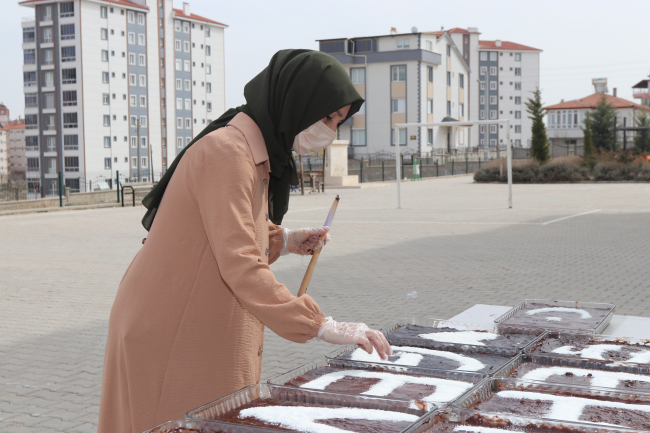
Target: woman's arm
{"x":224,"y":181}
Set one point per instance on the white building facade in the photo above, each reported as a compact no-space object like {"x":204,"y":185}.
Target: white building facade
{"x":97,"y":92}
{"x":405,"y":78}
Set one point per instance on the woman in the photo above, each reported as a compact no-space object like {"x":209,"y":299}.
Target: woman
{"x":187,"y":324}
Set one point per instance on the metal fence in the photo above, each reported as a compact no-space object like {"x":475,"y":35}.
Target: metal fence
{"x":377,"y":171}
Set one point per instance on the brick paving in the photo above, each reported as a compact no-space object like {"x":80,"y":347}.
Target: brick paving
{"x":454,"y":242}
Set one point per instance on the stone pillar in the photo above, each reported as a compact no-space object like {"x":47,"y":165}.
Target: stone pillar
{"x":336,"y":165}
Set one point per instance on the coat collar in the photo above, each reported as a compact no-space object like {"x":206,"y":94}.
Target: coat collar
{"x":254,"y":138}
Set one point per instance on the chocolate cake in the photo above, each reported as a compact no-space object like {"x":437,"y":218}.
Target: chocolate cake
{"x":275,"y":414}
{"x":618,"y":351}
{"x":431,"y":358}
{"x":430,"y":337}
{"x":635,"y":414}
{"x":382,"y":384}
{"x":583,"y":376}
{"x":535,"y":315}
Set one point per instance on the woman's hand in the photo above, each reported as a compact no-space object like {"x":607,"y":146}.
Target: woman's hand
{"x":355,"y":333}
{"x":303,"y":241}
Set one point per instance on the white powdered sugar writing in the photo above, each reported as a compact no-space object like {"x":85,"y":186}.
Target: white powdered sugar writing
{"x":554,"y":319}
{"x":411,"y":356}
{"x":446,"y":390}
{"x":464,"y":337}
{"x":570,"y":408}
{"x":584,"y":314}
{"x":477,"y":429}
{"x":599,"y":378}
{"x":303,"y":419}
{"x":596,"y":352}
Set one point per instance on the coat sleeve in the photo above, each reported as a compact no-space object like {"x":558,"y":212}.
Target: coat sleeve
{"x":224,"y":181}
{"x":276,"y":242}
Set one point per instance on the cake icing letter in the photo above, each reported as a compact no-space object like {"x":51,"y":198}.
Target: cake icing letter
{"x":464,"y":337}
{"x":415,"y":356}
{"x":477,"y":429}
{"x":599,"y":378}
{"x":592,"y":352}
{"x":303,"y":418}
{"x":584,"y":314}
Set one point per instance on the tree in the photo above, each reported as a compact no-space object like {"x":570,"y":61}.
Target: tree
{"x":588,"y":156}
{"x":639,"y":143}
{"x":602,"y":124}
{"x":539,"y":143}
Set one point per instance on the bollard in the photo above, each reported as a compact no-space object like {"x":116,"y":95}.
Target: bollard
{"x":382,"y":171}
{"x":437,"y":167}
{"x":361,"y":171}
{"x":452,"y":166}
{"x":117,"y":177}
{"x":466,"y":164}
{"x":60,"y":189}
{"x":479,"y":162}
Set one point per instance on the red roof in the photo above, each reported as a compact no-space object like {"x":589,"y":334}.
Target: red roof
{"x":117,"y":2}
{"x":14,"y":125}
{"x":505,"y":45}
{"x":591,"y":101}
{"x":179,"y":13}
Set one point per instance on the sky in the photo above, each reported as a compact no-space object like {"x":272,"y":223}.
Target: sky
{"x":580,"y":39}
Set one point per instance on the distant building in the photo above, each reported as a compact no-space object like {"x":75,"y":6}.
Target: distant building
{"x":17,"y":161}
{"x":115,"y":85}
{"x":4,"y":114}
{"x":510,"y":71}
{"x":404,"y":77}
{"x":565,"y":120}
{"x":641,"y":90}
{"x":4,"y":159}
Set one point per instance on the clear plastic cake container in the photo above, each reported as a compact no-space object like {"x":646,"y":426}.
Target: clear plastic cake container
{"x":569,"y":304}
{"x":630,"y":367}
{"x":522,"y":422}
{"x":217,"y":408}
{"x":452,"y":347}
{"x":490,"y":386}
{"x":466,"y":376}
{"x":200,"y":426}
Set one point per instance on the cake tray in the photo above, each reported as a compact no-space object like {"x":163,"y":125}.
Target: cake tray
{"x":627,"y":366}
{"x":490,"y":386}
{"x":465,"y":376}
{"x":569,"y":304}
{"x":453,"y":347}
{"x":201,"y":426}
{"x":211,"y":411}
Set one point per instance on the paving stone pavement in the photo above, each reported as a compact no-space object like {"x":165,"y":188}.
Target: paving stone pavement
{"x":454,"y":242}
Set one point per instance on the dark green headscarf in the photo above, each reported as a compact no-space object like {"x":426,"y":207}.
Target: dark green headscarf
{"x":296,"y":89}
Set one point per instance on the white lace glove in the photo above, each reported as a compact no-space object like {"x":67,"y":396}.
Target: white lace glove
{"x":303,"y":241}
{"x":354,"y":333}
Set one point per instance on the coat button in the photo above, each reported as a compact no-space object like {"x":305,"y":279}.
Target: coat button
{"x":267,"y":251}
{"x":260,"y":352}
{"x":265,"y":182}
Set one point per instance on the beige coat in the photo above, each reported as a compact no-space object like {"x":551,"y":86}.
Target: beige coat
{"x":187,"y":324}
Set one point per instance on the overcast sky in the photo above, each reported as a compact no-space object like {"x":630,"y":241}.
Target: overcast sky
{"x":580,"y":39}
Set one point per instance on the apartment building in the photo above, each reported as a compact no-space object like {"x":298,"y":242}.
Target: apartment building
{"x":4,"y":160}
{"x":17,"y":162}
{"x":564,"y":121}
{"x":405,"y":78}
{"x":101,"y":90}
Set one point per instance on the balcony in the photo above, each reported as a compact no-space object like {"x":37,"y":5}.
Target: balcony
{"x":641,"y":93}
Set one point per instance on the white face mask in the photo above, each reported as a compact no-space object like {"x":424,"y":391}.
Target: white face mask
{"x":317,"y":137}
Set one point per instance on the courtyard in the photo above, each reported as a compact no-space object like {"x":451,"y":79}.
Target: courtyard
{"x":454,"y":242}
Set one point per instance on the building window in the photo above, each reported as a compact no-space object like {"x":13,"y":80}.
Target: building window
{"x":517,"y":57}
{"x":398,"y":73}
{"x":104,"y":55}
{"x":67,"y":32}
{"x":29,"y":79}
{"x":132,"y":79}
{"x":430,"y":74}
{"x":403,"y":44}
{"x":179,"y":84}
{"x":142,"y":60}
{"x":493,"y":85}
{"x":143,"y":81}
{"x":358,"y":137}
{"x":429,"y":45}
{"x":208,"y":87}
{"x":493,"y":100}
{"x":517,"y":71}
{"x":493,"y":114}
{"x":141,"y":19}
{"x":188,"y":104}
{"x":188,"y":123}
{"x":68,"y":54}
{"x":208,"y":50}
{"x":449,"y":108}
{"x":186,"y":65}
{"x":29,"y":35}
{"x":358,"y":75}
{"x":48,"y":100}
{"x":517,"y":86}
{"x":143,"y":121}
{"x":106,"y":100}
{"x":461,"y":81}
{"x":186,"y":27}
{"x":402,"y":137}
{"x":493,"y":143}
{"x":143,"y":141}
{"x":177,"y":45}
{"x":187,"y":85}
{"x":46,"y":13}
{"x":209,"y":106}
{"x":207,"y":31}
{"x":134,"y":162}
{"x":177,"y":26}
{"x":134,"y":121}
{"x":179,"y":122}
{"x":50,"y":144}
{"x":186,"y":46}
{"x":134,"y":142}
{"x":398,"y":105}
{"x":493,"y":129}
{"x":131,"y":59}
{"x":107,"y":120}
{"x":131,"y":38}
{"x":70,"y":120}
{"x":517,"y":100}
{"x":179,"y":65}
{"x":141,"y":39}
{"x":517,"y":114}
{"x":461,"y":109}
{"x":179,"y":142}
{"x":31,"y":100}
{"x":429,"y":106}
{"x":143,"y":161}
{"x":448,"y":78}
{"x":179,"y":104}
{"x":132,"y":100}
{"x":66,"y":9}
{"x":493,"y":56}
{"x":482,"y":115}
{"x":493,"y":70}
{"x":103,"y":12}
{"x":107,"y":163}
{"x":33,"y":164}
{"x":430,"y":136}
{"x":69,"y":98}
{"x":104,"y":34}
{"x":48,"y":79}
{"x":31,"y":121}
{"x":107,"y":142}
{"x":517,"y":143}
{"x":71,"y":163}
{"x":143,"y":101}
{"x":48,"y":56}
{"x":483,"y":56}
{"x":70,"y":142}
{"x":517,"y":129}
{"x":131,"y":17}
{"x":105,"y":77}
